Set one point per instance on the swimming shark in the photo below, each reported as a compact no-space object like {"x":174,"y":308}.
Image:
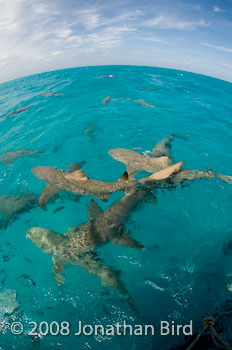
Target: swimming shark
{"x":48,"y":94}
{"x":17,"y":111}
{"x":136,"y":162}
{"x":77,"y":182}
{"x":13,"y":205}
{"x":9,"y":157}
{"x":160,"y":158}
{"x":78,"y":245}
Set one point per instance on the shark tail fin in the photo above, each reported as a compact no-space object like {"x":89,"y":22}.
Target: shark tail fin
{"x":163,"y":174}
{"x":77,"y":175}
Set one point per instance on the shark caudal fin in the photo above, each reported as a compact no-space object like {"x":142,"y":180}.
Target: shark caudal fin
{"x":163,"y":174}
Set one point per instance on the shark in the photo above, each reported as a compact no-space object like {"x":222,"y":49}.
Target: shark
{"x":14,"y":204}
{"x":9,"y":157}
{"x":48,"y":94}
{"x":136,"y":162}
{"x":160,"y":158}
{"x":78,"y":245}
{"x":77,"y":182}
{"x":17,"y":111}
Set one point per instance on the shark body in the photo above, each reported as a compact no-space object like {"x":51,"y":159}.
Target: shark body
{"x":77,"y":246}
{"x":48,"y":94}
{"x":17,"y":111}
{"x":9,"y":157}
{"x":160,"y":157}
{"x":77,"y":182}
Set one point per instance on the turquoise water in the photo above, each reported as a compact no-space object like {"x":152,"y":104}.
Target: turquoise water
{"x":185,"y":275}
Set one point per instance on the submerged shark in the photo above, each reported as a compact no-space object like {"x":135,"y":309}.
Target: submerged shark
{"x":78,"y":245}
{"x":17,"y":111}
{"x":77,"y":182}
{"x":13,"y":205}
{"x":160,"y":158}
{"x":48,"y":94}
{"x":9,"y":157}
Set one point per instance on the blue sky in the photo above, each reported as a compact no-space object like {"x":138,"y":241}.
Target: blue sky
{"x":38,"y":36}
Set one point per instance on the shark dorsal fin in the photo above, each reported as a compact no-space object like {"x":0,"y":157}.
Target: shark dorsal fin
{"x":75,"y":166}
{"x":94,"y":210}
{"x":124,"y":176}
{"x":78,"y":175}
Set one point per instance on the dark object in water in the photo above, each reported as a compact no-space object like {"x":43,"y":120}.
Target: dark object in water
{"x":17,"y":111}
{"x":3,"y":277}
{"x":28,"y":278}
{"x":58,"y":209}
{"x":227,"y":248}
{"x":48,"y":94}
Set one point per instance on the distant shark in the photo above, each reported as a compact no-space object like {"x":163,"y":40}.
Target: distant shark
{"x":77,"y":182}
{"x":9,"y":157}
{"x":48,"y":94}
{"x":160,"y":157}
{"x":13,"y":205}
{"x":77,"y":246}
{"x":17,"y":111}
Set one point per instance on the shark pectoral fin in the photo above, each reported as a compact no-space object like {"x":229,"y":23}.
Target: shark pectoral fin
{"x":94,"y":210}
{"x":58,"y":267}
{"x":163,"y":174}
{"x":48,"y":192}
{"x":75,"y":166}
{"x":78,"y":175}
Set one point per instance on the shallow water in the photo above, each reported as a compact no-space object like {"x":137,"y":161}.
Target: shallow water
{"x":183,"y":275}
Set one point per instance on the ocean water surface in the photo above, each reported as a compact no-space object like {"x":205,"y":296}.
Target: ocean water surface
{"x":186,"y":272}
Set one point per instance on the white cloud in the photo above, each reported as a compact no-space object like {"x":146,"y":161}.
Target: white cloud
{"x":225,"y":65}
{"x":169,"y":22}
{"x":64,"y":33}
{"x":217,"y":9}
{"x":222,"y":48}
{"x":57,"y":53}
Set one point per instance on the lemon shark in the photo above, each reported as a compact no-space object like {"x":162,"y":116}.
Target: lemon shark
{"x":77,"y":182}
{"x":160,"y":158}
